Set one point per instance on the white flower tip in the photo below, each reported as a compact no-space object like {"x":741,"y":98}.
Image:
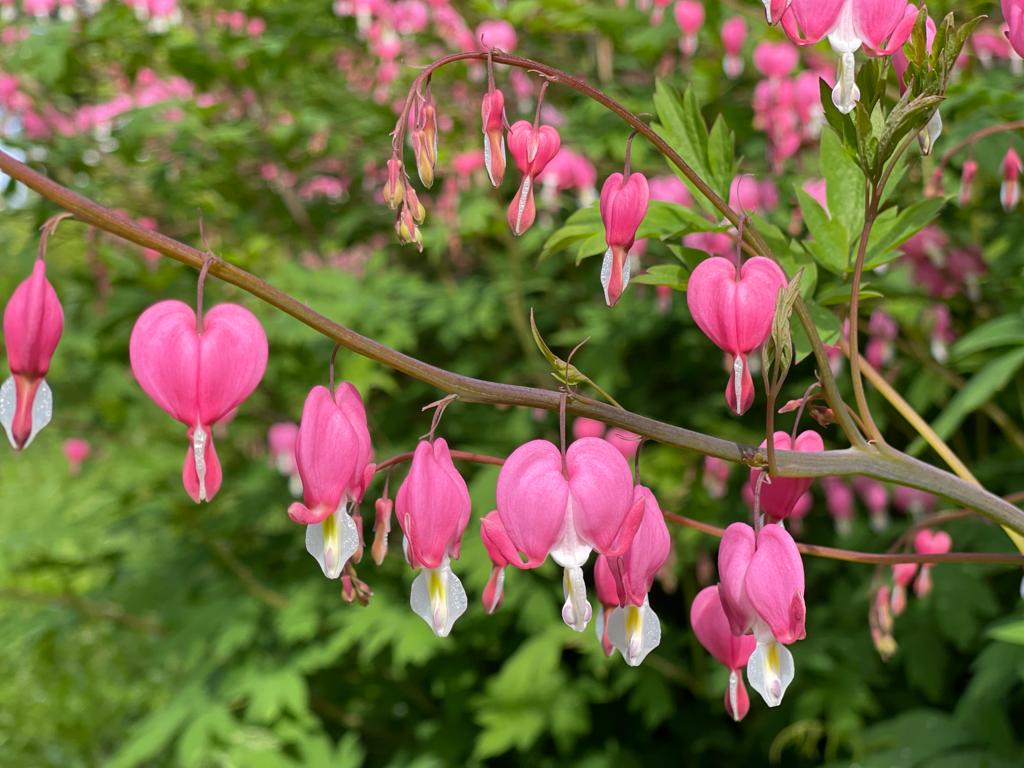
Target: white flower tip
{"x":438,"y":597}
{"x":770,"y":670}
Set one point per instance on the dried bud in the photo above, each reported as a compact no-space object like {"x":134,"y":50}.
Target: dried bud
{"x":406,"y":229}
{"x":394,"y":189}
{"x":412,"y":202}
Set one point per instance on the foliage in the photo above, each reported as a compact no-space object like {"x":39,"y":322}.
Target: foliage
{"x":141,"y":629}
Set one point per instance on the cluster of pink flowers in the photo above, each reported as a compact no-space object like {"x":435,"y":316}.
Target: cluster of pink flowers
{"x":786,"y":107}
{"x":943,"y":271}
{"x":238,"y":23}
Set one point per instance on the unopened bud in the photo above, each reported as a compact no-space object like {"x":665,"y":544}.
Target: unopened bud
{"x":424,"y":142}
{"x":381,"y":529}
{"x":967,"y":174}
{"x":394,"y":188}
{"x":358,"y":554}
{"x":412,"y":202}
{"x":408,"y":232}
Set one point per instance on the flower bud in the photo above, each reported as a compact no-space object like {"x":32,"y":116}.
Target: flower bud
{"x":967,"y":174}
{"x":1009,"y":191}
{"x":381,"y":528}
{"x":492,"y":113}
{"x":394,"y":189}
{"x":624,"y":202}
{"x":424,"y":142}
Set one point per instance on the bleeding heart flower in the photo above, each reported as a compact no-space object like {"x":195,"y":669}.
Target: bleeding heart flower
{"x":623,"y":207}
{"x":633,"y":627}
{"x":840,"y":504}
{"x":881,"y":26}
{"x":433,"y":509}
{"x":779,"y":495}
{"x":762,"y":591}
{"x":198,"y":377}
{"x":33,"y":323}
{"x":690,"y":18}
{"x":710,"y":625}
{"x":532,"y":147}
{"x":1009,"y":190}
{"x":76,"y":451}
{"x":608,"y":596}
{"x":734,"y":34}
{"x":1013,"y":13}
{"x":734,"y":308}
{"x":567,"y":509}
{"x":332,"y":454}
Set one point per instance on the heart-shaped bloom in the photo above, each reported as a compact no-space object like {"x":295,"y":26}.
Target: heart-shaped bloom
{"x":840,"y":504}
{"x":532,"y":147}
{"x":690,"y":18}
{"x":710,"y":625}
{"x":779,"y":495}
{"x":623,"y":207}
{"x":332,"y":455}
{"x":433,"y":510}
{"x":762,"y":590}
{"x":568,"y":511}
{"x":633,"y":627}
{"x":880,"y":26}
{"x":198,"y":378}
{"x":33,"y":323}
{"x":76,"y":451}
{"x":876,"y":498}
{"x":734,"y":308}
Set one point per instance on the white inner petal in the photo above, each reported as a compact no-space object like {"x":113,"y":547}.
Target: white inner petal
{"x":199,"y":453}
{"x":333,"y":542}
{"x":770,"y":670}
{"x":635,"y":631}
{"x":576,"y":612}
{"x":42,"y":409}
{"x":438,"y":597}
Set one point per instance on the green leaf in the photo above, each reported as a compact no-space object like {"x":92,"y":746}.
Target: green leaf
{"x":982,"y":386}
{"x":890,"y":233}
{"x":1000,"y":332}
{"x":844,"y":186}
{"x":680,"y":119}
{"x":721,"y":156}
{"x":830,"y":246}
{"x":825,"y":322}
{"x":1009,"y":633}
{"x":582,"y":235}
{"x":671,"y":275}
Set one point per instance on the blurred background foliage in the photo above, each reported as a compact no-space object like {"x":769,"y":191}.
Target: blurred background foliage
{"x":141,"y":630}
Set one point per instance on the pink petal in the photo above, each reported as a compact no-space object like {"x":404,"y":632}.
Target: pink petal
{"x":532,"y":498}
{"x":735,"y":553}
{"x":233,"y":358}
{"x":711,"y":627}
{"x":164,"y":354}
{"x":775,"y":584}
{"x":33,"y":323}
{"x":602,"y":490}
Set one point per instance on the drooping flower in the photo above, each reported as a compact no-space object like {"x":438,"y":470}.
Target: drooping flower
{"x":880,"y":26}
{"x":967,"y":174}
{"x":568,"y":510}
{"x":502,"y":552}
{"x":1009,"y":190}
{"x":902,"y":575}
{"x":332,"y":454}
{"x":532,"y":147}
{"x":715,"y":476}
{"x":633,"y":627}
{"x":734,"y":308}
{"x":711,"y":626}
{"x":433,"y":509}
{"x":33,"y":323}
{"x":840,"y":504}
{"x":876,"y":499}
{"x":198,"y":377}
{"x":762,"y":591}
{"x":624,"y":201}
{"x":779,"y":495}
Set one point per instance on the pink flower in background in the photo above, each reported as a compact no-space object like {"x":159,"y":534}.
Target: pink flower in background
{"x":76,"y":451}
{"x":775,"y":60}
{"x":281,"y":441}
{"x":716,"y":476}
{"x":902,"y":575}
{"x":198,"y":376}
{"x":748,"y":195}
{"x":670,"y":189}
{"x":928,"y":542}
{"x":967,"y":174}
{"x":498,"y":34}
{"x":1013,"y":12}
{"x":690,"y":18}
{"x":913,"y":502}
{"x":734,"y":34}
{"x":1009,"y":190}
{"x":876,"y":498}
{"x":711,"y":627}
{"x":433,"y":509}
{"x":584,"y":427}
{"x":492,"y":113}
{"x":627,"y":443}
{"x":734,"y":308}
{"x":33,"y":324}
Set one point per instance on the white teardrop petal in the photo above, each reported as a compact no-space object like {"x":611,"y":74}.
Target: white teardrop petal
{"x":333,"y":542}
{"x":576,"y":612}
{"x":438,"y":597}
{"x":635,"y":631}
{"x":770,"y":670}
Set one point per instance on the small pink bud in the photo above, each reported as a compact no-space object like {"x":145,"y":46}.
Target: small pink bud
{"x":492,"y":113}
{"x":584,"y":427}
{"x":734,"y":308}
{"x":33,"y":324}
{"x":381,"y":528}
{"x":734,"y":34}
{"x":716,"y":476}
{"x":1009,"y":191}
{"x":623,"y":207}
